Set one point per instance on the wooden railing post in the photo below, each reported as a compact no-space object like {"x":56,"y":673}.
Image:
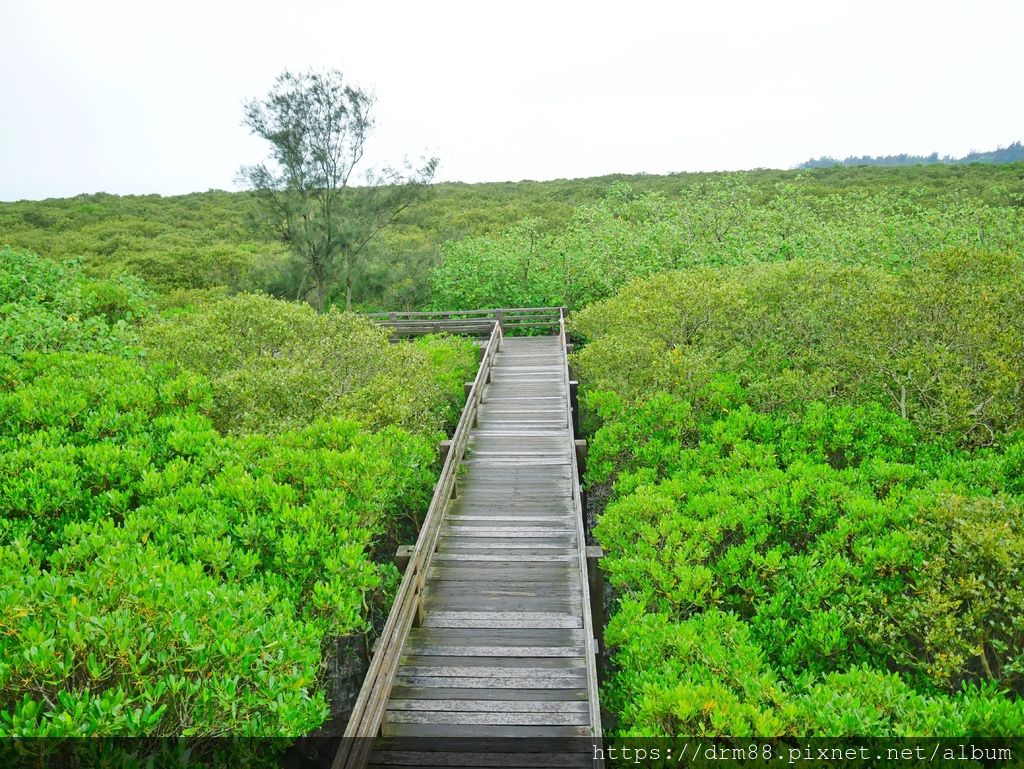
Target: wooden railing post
{"x":580,"y":447}
{"x":595,"y":580}
{"x":581,"y":457}
{"x":575,"y":401}
{"x":402,"y":556}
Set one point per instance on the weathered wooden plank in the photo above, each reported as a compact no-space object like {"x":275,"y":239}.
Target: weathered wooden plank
{"x":509,"y":389}
{"x":439,"y":760}
{"x":490,"y":706}
{"x":531,"y":434}
{"x":446,"y":600}
{"x":552,"y":679}
{"x":511,"y":442}
{"x":545,"y":718}
{"x":502,"y":665}
{"x":496,"y":459}
{"x":519,"y":572}
{"x":533,"y":681}
{"x":560,"y":535}
{"x":502,"y":619}
{"x":533,"y":651}
{"x":517,"y":753}
{"x":509,"y":526}
{"x":478,"y":730}
{"x":476,"y":538}
{"x":480,"y":481}
{"x":514,"y":449}
{"x":502,"y":589}
{"x":531,"y":450}
{"x":497,"y":493}
{"x":519,"y":693}
{"x":554,"y":442}
{"x":499,"y":519}
{"x":497,"y":746}
{"x":521,"y":411}
{"x":510,"y":530}
{"x":497,"y":542}
{"x":522,"y":509}
{"x":527,"y":471}
{"x":556,"y":506}
{"x":514,"y":637}
{"x":503,"y":391}
{"x":476,"y":479}
{"x":449,"y":556}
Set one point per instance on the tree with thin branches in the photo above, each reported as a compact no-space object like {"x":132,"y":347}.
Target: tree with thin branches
{"x":308,"y":190}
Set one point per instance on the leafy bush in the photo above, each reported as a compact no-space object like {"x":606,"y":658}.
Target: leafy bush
{"x":276,"y":365}
{"x":118,"y":490}
{"x":123,"y":640}
{"x":161,"y":577}
{"x":710,"y":223}
{"x":766,"y":563}
{"x":706,"y":675}
{"x":937,"y":344}
{"x":46,"y":306}
{"x":78,"y":433}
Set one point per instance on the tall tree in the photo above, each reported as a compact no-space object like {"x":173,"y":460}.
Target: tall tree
{"x":317,"y":127}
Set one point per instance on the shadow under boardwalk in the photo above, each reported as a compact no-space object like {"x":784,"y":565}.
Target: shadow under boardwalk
{"x":500,"y":649}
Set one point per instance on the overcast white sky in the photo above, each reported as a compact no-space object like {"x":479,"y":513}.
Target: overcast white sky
{"x":142,"y":96}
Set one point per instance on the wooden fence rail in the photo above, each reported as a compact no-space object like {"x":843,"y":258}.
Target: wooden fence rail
{"x":470,"y":322}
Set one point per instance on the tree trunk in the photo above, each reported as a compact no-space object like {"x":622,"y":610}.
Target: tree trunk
{"x":348,"y":284}
{"x":321,"y":288}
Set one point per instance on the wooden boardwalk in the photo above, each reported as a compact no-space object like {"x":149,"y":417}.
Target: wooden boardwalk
{"x":502,"y":643}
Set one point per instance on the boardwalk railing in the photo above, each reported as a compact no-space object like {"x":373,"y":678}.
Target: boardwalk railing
{"x":478,"y":322}
{"x":589,"y":636}
{"x":368,"y":712}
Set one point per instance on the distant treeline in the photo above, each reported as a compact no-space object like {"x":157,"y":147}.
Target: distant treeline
{"x":1012,"y":154}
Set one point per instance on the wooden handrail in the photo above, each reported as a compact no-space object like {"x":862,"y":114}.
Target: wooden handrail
{"x":589,"y":638}
{"x":488,"y":313}
{"x":467,"y":321}
{"x":368,"y":711}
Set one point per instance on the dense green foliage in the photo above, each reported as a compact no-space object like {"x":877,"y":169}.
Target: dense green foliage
{"x":187,"y":517}
{"x":275,"y":365}
{"x":941,"y":343}
{"x":800,"y":551}
{"x":48,"y":306}
{"x":187,"y":246}
{"x":803,"y":535}
{"x":807,"y":397}
{"x":724,"y":222}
